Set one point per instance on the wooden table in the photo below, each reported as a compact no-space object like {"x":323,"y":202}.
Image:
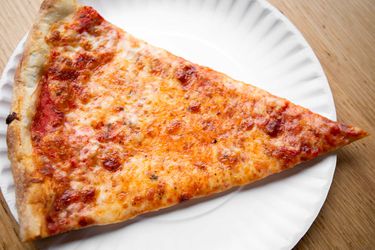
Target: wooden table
{"x":342,"y":34}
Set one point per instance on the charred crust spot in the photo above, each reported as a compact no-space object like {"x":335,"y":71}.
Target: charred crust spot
{"x":230,"y":110}
{"x":150,"y":195}
{"x":68,"y":197}
{"x":110,"y":133}
{"x":201,"y":165}
{"x":85,"y":221}
{"x":154,"y":177}
{"x":98,"y":125}
{"x":90,"y":62}
{"x":335,"y":130}
{"x":85,"y":61}
{"x":122,"y":196}
{"x":73,"y":163}
{"x":247,"y":124}
{"x":11,"y":117}
{"x":59,"y":117}
{"x":64,"y":74}
{"x":55,"y":225}
{"x":273,"y":127}
{"x":87,"y":18}
{"x":331,"y":140}
{"x":55,"y":148}
{"x":305,"y":149}
{"x":36,"y":138}
{"x":119,"y":109}
{"x":88,"y":195}
{"x":111,"y":164}
{"x":156,"y":67}
{"x":71,"y":196}
{"x":227,"y":157}
{"x":161,"y":190}
{"x":208,"y":125}
{"x":194,"y":107}
{"x":186,"y":75}
{"x":47,"y":170}
{"x":54,"y":37}
{"x":184,"y":197}
{"x":287,"y":155}
{"x":139,"y":64}
{"x":174,"y":127}
{"x":86,"y":45}
{"x":56,"y":219}
{"x":214,"y":141}
{"x":137,"y":200}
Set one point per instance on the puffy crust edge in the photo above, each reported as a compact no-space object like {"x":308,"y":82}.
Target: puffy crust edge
{"x":30,"y":197}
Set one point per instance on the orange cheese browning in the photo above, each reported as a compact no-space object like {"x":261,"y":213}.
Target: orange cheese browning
{"x":122,"y":128}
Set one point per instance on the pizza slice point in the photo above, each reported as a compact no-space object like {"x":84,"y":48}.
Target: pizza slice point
{"x":105,"y":127}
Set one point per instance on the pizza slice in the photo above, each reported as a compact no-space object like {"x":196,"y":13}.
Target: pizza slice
{"x":105,"y":127}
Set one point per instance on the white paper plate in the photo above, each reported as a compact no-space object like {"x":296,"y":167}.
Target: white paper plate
{"x":251,"y":41}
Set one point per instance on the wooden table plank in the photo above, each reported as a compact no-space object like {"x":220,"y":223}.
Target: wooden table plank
{"x":342,"y":34}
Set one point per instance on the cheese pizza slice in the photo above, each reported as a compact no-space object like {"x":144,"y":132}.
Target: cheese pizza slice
{"x":105,"y":127}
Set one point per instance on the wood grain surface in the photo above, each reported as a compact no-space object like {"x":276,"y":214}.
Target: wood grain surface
{"x":342,"y":34}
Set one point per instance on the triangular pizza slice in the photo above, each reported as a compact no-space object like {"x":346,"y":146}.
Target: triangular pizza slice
{"x":105,"y":127}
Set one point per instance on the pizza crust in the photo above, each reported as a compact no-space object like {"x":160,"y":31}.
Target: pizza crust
{"x":31,"y":197}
